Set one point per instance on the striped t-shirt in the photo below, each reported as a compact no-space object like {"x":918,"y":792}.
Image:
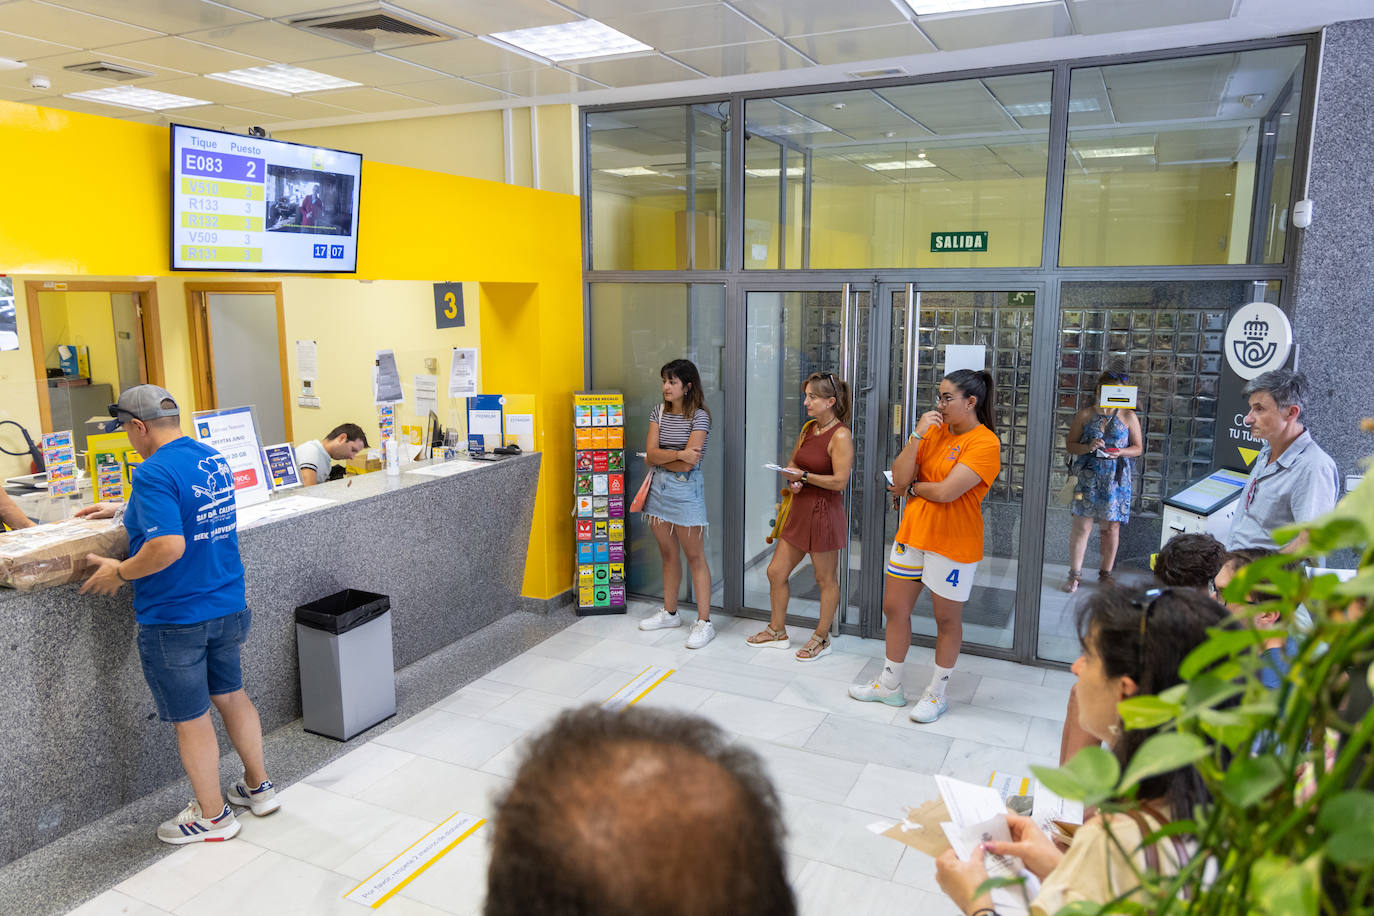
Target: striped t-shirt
{"x":674,"y":428}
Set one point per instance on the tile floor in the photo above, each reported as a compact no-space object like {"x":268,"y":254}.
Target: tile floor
{"x":839,"y":765}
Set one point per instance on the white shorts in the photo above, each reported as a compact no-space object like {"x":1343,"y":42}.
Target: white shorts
{"x":950,"y":580}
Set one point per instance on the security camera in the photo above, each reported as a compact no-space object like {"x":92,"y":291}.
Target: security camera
{"x":256,"y":131}
{"x":40,"y":82}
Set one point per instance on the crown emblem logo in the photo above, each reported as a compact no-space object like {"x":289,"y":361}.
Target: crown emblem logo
{"x":1252,"y":351}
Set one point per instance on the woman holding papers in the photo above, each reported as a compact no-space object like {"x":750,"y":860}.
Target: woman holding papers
{"x":817,"y":473}
{"x":946,"y":468}
{"x":676,"y":504}
{"x":1132,"y":644}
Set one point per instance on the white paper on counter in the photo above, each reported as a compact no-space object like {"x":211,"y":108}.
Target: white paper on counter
{"x":251,"y":516}
{"x":462,"y":380}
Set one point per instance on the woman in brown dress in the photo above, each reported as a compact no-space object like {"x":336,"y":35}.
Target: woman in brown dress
{"x":817,"y":473}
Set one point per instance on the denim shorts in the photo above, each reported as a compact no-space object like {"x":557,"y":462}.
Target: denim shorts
{"x":678,"y":497}
{"x":186,"y":664}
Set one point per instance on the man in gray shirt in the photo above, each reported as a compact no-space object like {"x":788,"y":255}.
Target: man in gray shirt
{"x":1292,"y":480}
{"x":315,"y":457}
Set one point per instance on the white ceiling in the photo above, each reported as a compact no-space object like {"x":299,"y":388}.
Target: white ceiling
{"x":699,"y":47}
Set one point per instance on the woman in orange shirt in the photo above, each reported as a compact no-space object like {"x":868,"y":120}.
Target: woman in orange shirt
{"x":947,"y":466}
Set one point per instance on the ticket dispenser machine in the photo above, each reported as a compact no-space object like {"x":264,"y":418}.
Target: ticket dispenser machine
{"x":1206,"y":506}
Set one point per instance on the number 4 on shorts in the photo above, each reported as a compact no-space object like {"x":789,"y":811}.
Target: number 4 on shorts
{"x":953,"y":578}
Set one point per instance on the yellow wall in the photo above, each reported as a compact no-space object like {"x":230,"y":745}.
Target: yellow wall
{"x":469,"y":230}
{"x":82,"y":319}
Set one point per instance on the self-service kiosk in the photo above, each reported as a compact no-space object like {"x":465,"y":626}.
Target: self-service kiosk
{"x":1206,"y":506}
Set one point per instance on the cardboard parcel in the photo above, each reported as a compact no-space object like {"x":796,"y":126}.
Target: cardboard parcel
{"x":53,"y":554}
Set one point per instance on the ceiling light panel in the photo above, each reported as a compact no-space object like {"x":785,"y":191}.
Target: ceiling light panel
{"x":1113,"y":152}
{"x":135,"y":97}
{"x":893,"y":165}
{"x":936,"y":7}
{"x":283,"y":78}
{"x":795,"y":171}
{"x":579,"y":40}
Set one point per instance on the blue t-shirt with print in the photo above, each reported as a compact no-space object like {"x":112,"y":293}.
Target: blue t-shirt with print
{"x":187,"y":489}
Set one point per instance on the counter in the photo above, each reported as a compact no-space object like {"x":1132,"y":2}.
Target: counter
{"x":81,"y":734}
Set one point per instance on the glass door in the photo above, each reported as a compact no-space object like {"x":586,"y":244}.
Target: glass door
{"x":922,"y":325}
{"x":790,"y":334}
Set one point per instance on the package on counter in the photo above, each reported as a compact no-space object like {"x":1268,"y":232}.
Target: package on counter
{"x":52,"y":554}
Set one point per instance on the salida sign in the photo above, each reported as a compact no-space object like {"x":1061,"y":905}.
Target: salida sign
{"x":1258,"y":339}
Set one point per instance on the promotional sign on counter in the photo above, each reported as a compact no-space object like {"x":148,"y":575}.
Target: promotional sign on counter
{"x":234,"y":434}
{"x":110,"y":460}
{"x":599,"y":482}
{"x":59,"y":458}
{"x":281,"y":464}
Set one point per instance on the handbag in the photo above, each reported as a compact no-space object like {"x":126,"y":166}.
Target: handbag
{"x":1065,"y":494}
{"x":642,"y":494}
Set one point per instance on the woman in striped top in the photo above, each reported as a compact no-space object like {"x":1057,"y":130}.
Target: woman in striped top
{"x":676,"y":506}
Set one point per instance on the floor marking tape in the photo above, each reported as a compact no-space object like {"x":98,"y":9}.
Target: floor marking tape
{"x":636,"y":689}
{"x":388,"y":880}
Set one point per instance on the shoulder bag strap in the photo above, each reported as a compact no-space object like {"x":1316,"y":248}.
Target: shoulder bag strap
{"x":801,"y":436}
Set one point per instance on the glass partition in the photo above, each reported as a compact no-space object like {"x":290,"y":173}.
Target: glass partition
{"x":636,"y":329}
{"x":936,"y":175}
{"x":1167,"y":337}
{"x":656,"y":187}
{"x":1181,"y":161}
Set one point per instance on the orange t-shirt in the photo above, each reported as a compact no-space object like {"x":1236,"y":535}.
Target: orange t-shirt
{"x":953,"y":529}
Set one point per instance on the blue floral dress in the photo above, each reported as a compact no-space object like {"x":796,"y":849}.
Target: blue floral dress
{"x":1104,"y":484}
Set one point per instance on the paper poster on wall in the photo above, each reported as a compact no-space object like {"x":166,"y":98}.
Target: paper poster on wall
{"x":965,"y":356}
{"x":426,"y":395}
{"x":387,"y":382}
{"x":307,"y":360}
{"x":233,"y":433}
{"x":462,"y":380}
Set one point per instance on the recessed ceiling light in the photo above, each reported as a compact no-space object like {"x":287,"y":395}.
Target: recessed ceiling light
{"x":7,"y":64}
{"x":133,"y":97}
{"x":931,"y":7}
{"x":795,"y":171}
{"x":282,"y":78}
{"x":1115,"y":152}
{"x":1029,"y":109}
{"x":896,"y":164}
{"x":572,"y":40}
{"x":633,"y":171}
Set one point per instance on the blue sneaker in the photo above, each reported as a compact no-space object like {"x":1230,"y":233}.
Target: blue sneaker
{"x":262,"y":801}
{"x":877,"y":693}
{"x":190,"y":826}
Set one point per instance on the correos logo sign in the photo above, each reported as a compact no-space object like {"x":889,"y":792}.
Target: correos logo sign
{"x":1257,"y":339}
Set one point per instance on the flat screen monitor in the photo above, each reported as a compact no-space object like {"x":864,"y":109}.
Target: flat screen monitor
{"x":247,"y":203}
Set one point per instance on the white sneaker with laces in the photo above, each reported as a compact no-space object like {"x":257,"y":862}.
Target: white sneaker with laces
{"x":262,"y":801}
{"x":877,"y":693}
{"x":703,"y":631}
{"x":660,"y":620}
{"x":190,"y":826}
{"x":928,"y":708}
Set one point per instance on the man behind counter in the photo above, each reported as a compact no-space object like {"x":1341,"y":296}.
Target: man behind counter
{"x":314,"y":457}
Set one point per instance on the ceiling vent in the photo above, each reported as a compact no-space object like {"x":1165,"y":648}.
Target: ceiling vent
{"x":877,"y":74}
{"x":379,"y":27}
{"x":108,"y":71}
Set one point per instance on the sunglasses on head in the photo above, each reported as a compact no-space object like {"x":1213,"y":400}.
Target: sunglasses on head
{"x":1145,"y":602}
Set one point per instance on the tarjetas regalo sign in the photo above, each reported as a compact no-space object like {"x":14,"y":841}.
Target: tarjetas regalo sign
{"x":959,"y":241}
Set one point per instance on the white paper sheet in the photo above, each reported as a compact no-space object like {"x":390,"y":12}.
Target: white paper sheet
{"x":387,"y":381}
{"x":485,"y":423}
{"x":251,"y":516}
{"x":521,"y":427}
{"x":426,"y":395}
{"x":462,"y":380}
{"x":307,"y":360}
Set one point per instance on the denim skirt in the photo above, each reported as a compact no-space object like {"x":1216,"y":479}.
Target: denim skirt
{"x":678,"y":497}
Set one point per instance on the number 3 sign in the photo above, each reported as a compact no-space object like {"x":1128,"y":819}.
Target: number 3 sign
{"x":448,"y":305}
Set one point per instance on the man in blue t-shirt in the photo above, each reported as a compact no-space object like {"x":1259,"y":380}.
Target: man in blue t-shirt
{"x":187,"y":577}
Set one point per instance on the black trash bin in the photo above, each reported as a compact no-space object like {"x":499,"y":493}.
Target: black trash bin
{"x":343,"y":643}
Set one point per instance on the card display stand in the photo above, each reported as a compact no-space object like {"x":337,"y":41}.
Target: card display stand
{"x":601,"y":551}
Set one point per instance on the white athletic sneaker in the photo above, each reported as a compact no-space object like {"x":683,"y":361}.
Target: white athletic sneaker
{"x":877,"y":693}
{"x":703,"y":631}
{"x":928,"y":708}
{"x":660,"y":620}
{"x":262,"y":801}
{"x":190,"y":826}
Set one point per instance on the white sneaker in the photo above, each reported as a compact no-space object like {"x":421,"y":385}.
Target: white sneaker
{"x":661,"y":620}
{"x":190,"y":826}
{"x":703,"y":631}
{"x":877,"y":693}
{"x":262,"y":801}
{"x":928,"y":708}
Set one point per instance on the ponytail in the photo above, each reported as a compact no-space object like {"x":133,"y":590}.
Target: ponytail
{"x":976,"y":385}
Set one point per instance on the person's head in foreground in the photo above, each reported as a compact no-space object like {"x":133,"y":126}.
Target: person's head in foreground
{"x":635,"y":813}
{"x":1189,"y":561}
{"x":1232,"y":563}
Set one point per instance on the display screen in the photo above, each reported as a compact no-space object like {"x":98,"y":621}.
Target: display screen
{"x":245,"y":203}
{"x":1210,"y":493}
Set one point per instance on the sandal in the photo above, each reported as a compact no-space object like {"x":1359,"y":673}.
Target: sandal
{"x":769,"y":638}
{"x":1105,"y":576}
{"x":815,"y":647}
{"x":1071,"y":583}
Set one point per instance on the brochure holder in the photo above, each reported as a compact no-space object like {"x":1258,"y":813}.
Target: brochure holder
{"x":601,"y":550}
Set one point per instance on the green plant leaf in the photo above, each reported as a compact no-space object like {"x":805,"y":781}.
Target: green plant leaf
{"x":1220,"y":644}
{"x":1347,"y":809}
{"x":1163,"y":753}
{"x":1207,"y":690}
{"x":992,"y":884}
{"x":1146,"y":711}
{"x":1251,"y":779}
{"x":1281,"y":887}
{"x":1089,"y":777}
{"x":1173,"y":694}
{"x":1353,"y":846}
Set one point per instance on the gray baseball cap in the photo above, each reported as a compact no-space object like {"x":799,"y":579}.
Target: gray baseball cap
{"x":142,"y":402}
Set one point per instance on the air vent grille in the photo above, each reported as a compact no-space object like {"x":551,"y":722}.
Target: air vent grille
{"x":878,"y":73}
{"x":377,"y":29}
{"x":108,"y":71}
